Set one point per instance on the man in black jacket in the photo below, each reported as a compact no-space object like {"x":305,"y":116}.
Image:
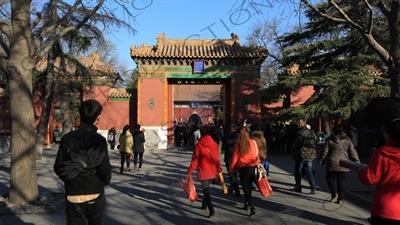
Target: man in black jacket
{"x":83,"y":164}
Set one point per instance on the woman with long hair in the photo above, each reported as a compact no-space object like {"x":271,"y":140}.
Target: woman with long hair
{"x":138,"y":147}
{"x":206,"y":160}
{"x":125,"y":148}
{"x":337,"y":147}
{"x":383,"y":171}
{"x":246,"y":159}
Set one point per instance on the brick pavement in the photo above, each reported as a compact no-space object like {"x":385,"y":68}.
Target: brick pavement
{"x":153,"y":196}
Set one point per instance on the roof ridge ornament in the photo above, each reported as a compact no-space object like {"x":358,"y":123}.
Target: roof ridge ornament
{"x":160,"y":41}
{"x":236,"y":40}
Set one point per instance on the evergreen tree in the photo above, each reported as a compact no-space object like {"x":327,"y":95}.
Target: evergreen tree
{"x":335,"y":59}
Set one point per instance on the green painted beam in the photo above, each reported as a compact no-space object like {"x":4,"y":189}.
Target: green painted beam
{"x":190,"y":75}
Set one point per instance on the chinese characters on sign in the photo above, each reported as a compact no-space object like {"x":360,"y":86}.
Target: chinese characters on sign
{"x":198,"y":66}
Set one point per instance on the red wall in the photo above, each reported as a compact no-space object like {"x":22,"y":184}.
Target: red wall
{"x":151,"y":88}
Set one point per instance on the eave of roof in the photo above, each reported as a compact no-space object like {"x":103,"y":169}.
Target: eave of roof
{"x":197,"y":48}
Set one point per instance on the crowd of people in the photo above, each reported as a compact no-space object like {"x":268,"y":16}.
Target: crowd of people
{"x":83,"y":164}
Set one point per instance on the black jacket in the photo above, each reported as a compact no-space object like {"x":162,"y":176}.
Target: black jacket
{"x":138,"y":141}
{"x":82,"y":161}
{"x":229,"y":143}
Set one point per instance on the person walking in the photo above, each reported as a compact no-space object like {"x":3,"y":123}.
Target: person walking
{"x":304,"y":155}
{"x":138,"y":147}
{"x":205,"y":159}
{"x":111,"y":137}
{"x":229,"y":143}
{"x":337,"y":147}
{"x":83,"y":164}
{"x":125,"y":148}
{"x":245,"y":159}
{"x":383,"y":171}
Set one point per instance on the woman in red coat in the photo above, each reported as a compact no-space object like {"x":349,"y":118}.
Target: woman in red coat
{"x":245,"y":158}
{"x":383,"y":171}
{"x":206,"y":159}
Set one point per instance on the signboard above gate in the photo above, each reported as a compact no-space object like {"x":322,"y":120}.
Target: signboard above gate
{"x":198,"y":66}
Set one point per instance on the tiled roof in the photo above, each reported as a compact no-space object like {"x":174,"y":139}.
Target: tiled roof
{"x":93,"y":63}
{"x":197,"y":48}
{"x":295,"y":69}
{"x":120,"y":93}
{"x":199,"y":92}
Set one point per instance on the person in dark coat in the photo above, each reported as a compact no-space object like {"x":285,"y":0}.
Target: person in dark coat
{"x":337,"y":147}
{"x":229,"y":143}
{"x":138,"y":147}
{"x":111,"y":137}
{"x":304,"y":155}
{"x":83,"y":164}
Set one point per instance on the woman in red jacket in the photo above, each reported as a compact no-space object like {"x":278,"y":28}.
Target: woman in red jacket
{"x":383,"y":171}
{"x":206,"y":159}
{"x":245,"y":158}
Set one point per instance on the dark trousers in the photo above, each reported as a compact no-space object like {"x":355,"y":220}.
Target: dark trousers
{"x":125,"y":158}
{"x":112,"y":144}
{"x":339,"y":186}
{"x":376,"y":220}
{"x":135,"y":158}
{"x":205,"y":184}
{"x":90,"y":212}
{"x":247,"y":176}
{"x":233,"y":179}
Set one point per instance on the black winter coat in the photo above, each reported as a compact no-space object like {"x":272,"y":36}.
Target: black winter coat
{"x":82,"y":161}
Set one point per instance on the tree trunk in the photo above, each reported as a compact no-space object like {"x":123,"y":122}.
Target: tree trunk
{"x":48,"y":95}
{"x":394,"y":64}
{"x":47,"y":102}
{"x":23,"y":181}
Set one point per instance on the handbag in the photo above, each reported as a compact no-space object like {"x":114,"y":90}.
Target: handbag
{"x":217,"y":179}
{"x":261,"y":177}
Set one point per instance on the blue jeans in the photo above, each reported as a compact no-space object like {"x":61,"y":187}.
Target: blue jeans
{"x":307,"y":164}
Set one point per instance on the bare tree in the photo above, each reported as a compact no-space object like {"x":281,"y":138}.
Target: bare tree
{"x":264,"y":34}
{"x":24,"y":45}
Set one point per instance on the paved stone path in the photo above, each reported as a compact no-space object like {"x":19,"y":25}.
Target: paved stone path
{"x":154,"y":196}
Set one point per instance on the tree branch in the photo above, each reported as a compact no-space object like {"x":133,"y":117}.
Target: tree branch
{"x":346,"y":17}
{"x":371,"y":17}
{"x":5,"y":28}
{"x":5,"y":47}
{"x":55,"y":39}
{"x":339,"y":20}
{"x":381,"y":5}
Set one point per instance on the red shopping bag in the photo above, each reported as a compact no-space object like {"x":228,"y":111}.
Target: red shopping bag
{"x":189,"y":188}
{"x":264,"y":187}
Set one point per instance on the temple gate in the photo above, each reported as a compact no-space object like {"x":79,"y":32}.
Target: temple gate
{"x":173,"y":62}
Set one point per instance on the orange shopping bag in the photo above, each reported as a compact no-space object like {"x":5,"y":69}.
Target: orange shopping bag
{"x":264,"y":187}
{"x":189,"y":188}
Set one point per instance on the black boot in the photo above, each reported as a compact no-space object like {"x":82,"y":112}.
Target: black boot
{"x":252,"y":211}
{"x":203,"y":204}
{"x":207,"y":198}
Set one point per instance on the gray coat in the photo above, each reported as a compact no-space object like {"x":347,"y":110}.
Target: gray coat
{"x":333,"y":152}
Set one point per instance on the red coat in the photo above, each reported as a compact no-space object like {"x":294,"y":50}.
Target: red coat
{"x":251,"y":158}
{"x":383,"y":171}
{"x":201,"y":159}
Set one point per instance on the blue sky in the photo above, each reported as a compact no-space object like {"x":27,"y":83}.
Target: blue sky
{"x":198,"y":19}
